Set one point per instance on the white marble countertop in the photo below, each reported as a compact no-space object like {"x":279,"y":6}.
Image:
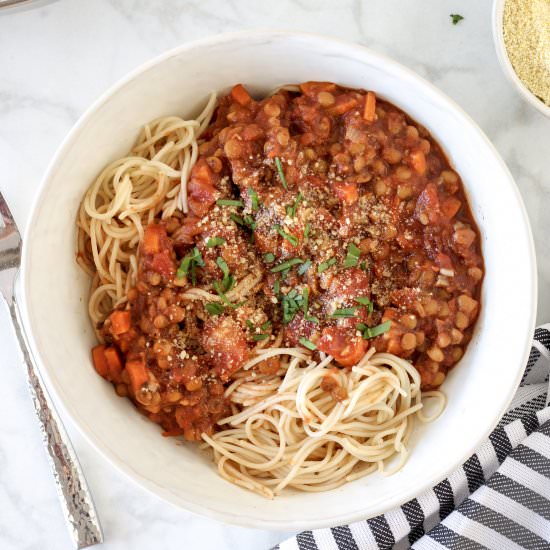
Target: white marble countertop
{"x":57,"y":58}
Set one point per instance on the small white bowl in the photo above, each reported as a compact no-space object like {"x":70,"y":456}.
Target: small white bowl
{"x":503,"y":59}
{"x":55,"y":289}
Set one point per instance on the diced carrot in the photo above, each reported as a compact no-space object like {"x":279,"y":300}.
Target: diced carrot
{"x":311,"y":89}
{"x":137,"y":372}
{"x":450,"y":206}
{"x":114,"y":363}
{"x":202,"y":188}
{"x":346,"y":192}
{"x":120,"y":322}
{"x":344,"y":103}
{"x":418,"y":161}
{"x":100,"y":362}
{"x":151,"y":239}
{"x":240,"y":95}
{"x":203,"y":173}
{"x":427,"y":205}
{"x":370,"y":107}
{"x":444,"y":262}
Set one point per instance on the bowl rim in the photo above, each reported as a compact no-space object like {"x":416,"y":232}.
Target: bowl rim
{"x":497,"y":18}
{"x":82,"y":424}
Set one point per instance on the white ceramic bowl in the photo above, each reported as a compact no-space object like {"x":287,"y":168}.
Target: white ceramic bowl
{"x":55,"y":290}
{"x":506,"y":65}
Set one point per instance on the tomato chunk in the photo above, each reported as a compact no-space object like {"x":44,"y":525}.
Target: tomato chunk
{"x":346,"y":192}
{"x":187,"y":231}
{"x":162,"y":263}
{"x":346,"y":348}
{"x":225,"y":342}
{"x":348,"y":285}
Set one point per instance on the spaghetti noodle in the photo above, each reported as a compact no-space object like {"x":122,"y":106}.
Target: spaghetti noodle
{"x":289,"y":431}
{"x":127,"y":196}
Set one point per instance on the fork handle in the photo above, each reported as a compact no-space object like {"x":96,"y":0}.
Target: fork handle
{"x":72,"y":489}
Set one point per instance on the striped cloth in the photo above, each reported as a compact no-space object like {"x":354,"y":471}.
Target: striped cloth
{"x":499,"y":499}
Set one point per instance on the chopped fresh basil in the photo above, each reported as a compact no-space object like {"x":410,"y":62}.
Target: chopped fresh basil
{"x":456,"y":17}
{"x":364,"y":301}
{"x":291,"y":209}
{"x":291,"y":303}
{"x":219,"y":288}
{"x":305,"y":307}
{"x":229,"y":202}
{"x":281,"y":173}
{"x":250,"y":324}
{"x":245,"y":221}
{"x":305,"y":300}
{"x":214,"y":308}
{"x":277,"y":287}
{"x":215,"y":241}
{"x":373,"y":332}
{"x":269,"y":257}
{"x":286,"y":265}
{"x":259,"y":337}
{"x":222,"y":264}
{"x":237,"y":219}
{"x":343,"y":313}
{"x":304,"y":267}
{"x":254,"y":200}
{"x":290,"y":238}
{"x":266,"y":325}
{"x":307,"y":230}
{"x":188,"y":264}
{"x":307,"y":343}
{"x":228,"y":281}
{"x":352,"y":257}
{"x":249,"y":221}
{"x":323,"y":266}
{"x":289,"y":309}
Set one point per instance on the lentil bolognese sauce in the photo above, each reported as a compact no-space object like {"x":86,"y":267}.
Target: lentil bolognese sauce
{"x":285,"y":279}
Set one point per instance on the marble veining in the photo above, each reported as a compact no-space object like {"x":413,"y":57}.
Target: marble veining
{"x":57,"y":58}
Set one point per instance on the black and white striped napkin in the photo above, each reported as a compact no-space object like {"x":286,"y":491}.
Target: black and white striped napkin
{"x":499,"y":499}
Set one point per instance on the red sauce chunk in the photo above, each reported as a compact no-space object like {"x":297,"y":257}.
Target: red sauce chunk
{"x":323,"y":217}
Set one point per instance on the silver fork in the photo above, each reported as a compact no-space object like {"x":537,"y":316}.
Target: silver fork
{"x":72,"y":489}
